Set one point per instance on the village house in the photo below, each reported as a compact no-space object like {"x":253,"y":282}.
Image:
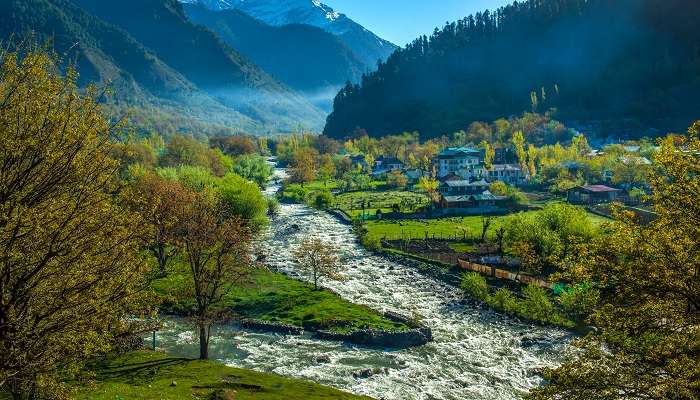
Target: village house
{"x":388,"y":164}
{"x":414,"y":175}
{"x":504,"y":155}
{"x":358,"y":161}
{"x":472,"y":204}
{"x":458,"y":187}
{"x":466,"y":162}
{"x":592,"y":194}
{"x":465,"y":197}
{"x":511,"y":174}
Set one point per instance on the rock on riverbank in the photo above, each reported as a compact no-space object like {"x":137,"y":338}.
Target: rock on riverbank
{"x":417,"y":335}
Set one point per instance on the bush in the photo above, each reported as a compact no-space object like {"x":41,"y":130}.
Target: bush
{"x":396,"y":180}
{"x":505,"y":301}
{"x":537,"y":305}
{"x":254,"y":168}
{"x":295,"y":193}
{"x":273,"y":206}
{"x":475,"y":286}
{"x":579,"y":301}
{"x":323,"y":199}
{"x":514,"y":195}
{"x":371,"y":243}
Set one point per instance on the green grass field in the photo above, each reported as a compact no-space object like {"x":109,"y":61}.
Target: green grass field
{"x":351,"y":203}
{"x":447,"y":228}
{"x":278,"y":298}
{"x":148,"y":375}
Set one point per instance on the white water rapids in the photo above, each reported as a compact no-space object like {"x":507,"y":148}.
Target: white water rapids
{"x":476,"y":353}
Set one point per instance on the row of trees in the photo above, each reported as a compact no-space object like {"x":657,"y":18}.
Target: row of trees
{"x":548,"y":152}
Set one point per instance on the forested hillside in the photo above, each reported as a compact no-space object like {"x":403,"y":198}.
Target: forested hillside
{"x":304,"y":57}
{"x":204,"y":59}
{"x":593,"y":60}
{"x":168,"y":73}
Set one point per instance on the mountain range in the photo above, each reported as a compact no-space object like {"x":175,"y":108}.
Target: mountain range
{"x":368,"y":47}
{"x":174,"y":74}
{"x":616,"y":67}
{"x":306,"y":58}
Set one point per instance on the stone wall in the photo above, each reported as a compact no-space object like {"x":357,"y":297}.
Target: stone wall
{"x":274,"y":327}
{"x":378,"y":338}
{"x":417,"y":335}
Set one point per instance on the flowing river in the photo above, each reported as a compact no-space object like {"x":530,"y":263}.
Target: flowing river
{"x":476,"y":353}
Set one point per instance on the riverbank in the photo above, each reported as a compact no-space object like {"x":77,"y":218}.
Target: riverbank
{"x":152,"y":375}
{"x":274,"y":302}
{"x":475,"y":353}
{"x":541,"y":308}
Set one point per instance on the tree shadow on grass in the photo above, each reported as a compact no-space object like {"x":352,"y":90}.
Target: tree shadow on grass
{"x":135,"y":370}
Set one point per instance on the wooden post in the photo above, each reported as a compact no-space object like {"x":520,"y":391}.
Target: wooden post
{"x":153,"y":341}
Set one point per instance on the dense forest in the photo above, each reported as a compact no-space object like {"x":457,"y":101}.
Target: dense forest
{"x":592,"y":60}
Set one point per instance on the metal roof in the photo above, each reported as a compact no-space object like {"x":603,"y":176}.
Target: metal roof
{"x":598,"y":188}
{"x":484,"y":196}
{"x":459,"y":151}
{"x":466,"y":183}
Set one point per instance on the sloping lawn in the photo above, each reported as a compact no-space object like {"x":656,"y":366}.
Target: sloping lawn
{"x":278,"y":298}
{"x":149,"y":375}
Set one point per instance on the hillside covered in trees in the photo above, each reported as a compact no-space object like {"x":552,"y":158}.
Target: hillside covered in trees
{"x":304,"y":57}
{"x":613,"y":62}
{"x":159,"y":64}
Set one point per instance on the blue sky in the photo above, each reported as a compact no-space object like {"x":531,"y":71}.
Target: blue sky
{"x":401,"y":21}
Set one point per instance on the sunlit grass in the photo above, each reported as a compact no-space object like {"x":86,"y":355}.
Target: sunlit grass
{"x":149,"y":375}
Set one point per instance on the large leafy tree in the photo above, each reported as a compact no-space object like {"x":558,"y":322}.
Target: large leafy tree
{"x":159,"y":202}
{"x":216,"y":246}
{"x":648,"y":342}
{"x":318,"y":259}
{"x":69,"y":264}
{"x":303,"y":166}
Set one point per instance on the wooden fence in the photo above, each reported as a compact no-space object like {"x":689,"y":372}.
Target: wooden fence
{"x":503,"y":274}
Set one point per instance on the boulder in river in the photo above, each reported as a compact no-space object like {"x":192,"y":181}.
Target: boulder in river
{"x":368,"y":372}
{"x":323,"y":359}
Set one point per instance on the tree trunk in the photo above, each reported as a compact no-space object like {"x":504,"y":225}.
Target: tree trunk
{"x":203,"y":343}
{"x":162,"y":256}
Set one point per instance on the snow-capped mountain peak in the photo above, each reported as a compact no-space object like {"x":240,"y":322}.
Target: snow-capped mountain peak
{"x":284,"y":12}
{"x":366,"y":44}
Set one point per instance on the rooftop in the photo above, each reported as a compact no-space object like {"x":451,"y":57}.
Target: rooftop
{"x":459,"y":151}
{"x":598,"y":188}
{"x":388,"y":160}
{"x":505,"y":167}
{"x":485,"y":195}
{"x":465,"y":183}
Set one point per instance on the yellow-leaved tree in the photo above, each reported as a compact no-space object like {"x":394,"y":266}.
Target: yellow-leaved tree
{"x":69,"y":265}
{"x":647,"y":345}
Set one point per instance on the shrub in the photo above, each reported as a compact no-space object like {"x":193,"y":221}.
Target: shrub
{"x":537,"y":305}
{"x":579,"y":301}
{"x":504,"y":300}
{"x":396,"y":180}
{"x":475,"y":286}
{"x":324,"y":199}
{"x":273,"y":206}
{"x":371,"y":243}
{"x":295,"y":193}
